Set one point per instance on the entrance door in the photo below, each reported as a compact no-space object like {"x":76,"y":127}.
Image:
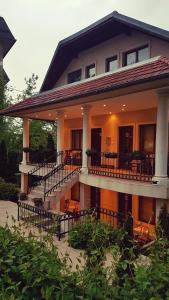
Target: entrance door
{"x":95,"y":196}
{"x":125,"y":205}
{"x":125,"y":144}
{"x":96,"y":146}
{"x":147,"y":138}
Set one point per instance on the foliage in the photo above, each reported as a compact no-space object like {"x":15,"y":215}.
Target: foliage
{"x":92,"y":234}
{"x":8,"y":191}
{"x":163,"y":223}
{"x":111,"y":155}
{"x":137,"y":155}
{"x":3,"y":159}
{"x":32,"y":270}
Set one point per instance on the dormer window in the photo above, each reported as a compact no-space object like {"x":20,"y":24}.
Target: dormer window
{"x":90,"y":71}
{"x":136,"y":55}
{"x":74,"y":76}
{"x":111,"y":64}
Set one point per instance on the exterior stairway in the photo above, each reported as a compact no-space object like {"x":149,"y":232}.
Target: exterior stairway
{"x":50,"y":184}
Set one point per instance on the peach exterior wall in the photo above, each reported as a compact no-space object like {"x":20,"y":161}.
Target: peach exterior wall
{"x":115,"y":46}
{"x":110,"y":127}
{"x":109,"y":200}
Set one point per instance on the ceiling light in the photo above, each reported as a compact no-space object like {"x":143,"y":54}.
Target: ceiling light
{"x":49,"y":115}
{"x":124,"y":105}
{"x":104,"y":105}
{"x":81,"y":108}
{"x":122,"y":109}
{"x":65,"y":116}
{"x":110,"y":112}
{"x":82,"y":114}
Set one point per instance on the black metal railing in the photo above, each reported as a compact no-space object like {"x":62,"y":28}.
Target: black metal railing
{"x":122,"y":166}
{"x":60,"y":224}
{"x":53,"y":176}
{"x":36,"y":175}
{"x":58,"y":177}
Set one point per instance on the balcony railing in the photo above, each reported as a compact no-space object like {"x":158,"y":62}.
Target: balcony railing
{"x":122,"y":166}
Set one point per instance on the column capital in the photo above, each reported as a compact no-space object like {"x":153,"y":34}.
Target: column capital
{"x":60,"y":113}
{"x":163,"y":93}
{"x":86,"y":107}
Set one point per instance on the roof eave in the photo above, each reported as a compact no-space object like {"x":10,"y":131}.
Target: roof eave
{"x":90,"y":93}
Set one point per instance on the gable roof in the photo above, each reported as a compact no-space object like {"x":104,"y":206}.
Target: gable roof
{"x":98,"y":32}
{"x":152,"y":69}
{"x":6,"y":36}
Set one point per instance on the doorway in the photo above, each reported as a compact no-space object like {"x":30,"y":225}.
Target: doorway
{"x":124,"y":205}
{"x":147,"y":138}
{"x":96,"y":138}
{"x":125,"y":145}
{"x":95,"y":196}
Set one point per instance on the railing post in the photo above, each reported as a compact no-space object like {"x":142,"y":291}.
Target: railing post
{"x":58,"y":229}
{"x":44,"y":189}
{"x":18,"y":211}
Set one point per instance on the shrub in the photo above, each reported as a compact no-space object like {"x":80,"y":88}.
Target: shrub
{"x":29,"y":270}
{"x":163,"y":223}
{"x":80,"y":234}
{"x":8,"y":191}
{"x":92,"y":234}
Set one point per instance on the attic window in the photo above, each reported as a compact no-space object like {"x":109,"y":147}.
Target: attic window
{"x":74,"y":76}
{"x":111,"y":64}
{"x":136,"y":55}
{"x":90,"y":71}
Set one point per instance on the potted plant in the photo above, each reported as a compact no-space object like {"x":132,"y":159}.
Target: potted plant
{"x":26,"y":150}
{"x":110,"y":155}
{"x":89,"y":152}
{"x":137,"y":155}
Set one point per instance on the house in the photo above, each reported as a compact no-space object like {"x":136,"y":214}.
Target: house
{"x":7,"y":40}
{"x":107,"y":87}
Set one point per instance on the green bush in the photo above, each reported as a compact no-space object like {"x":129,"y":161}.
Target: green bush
{"x":8,"y":191}
{"x":92,"y":234}
{"x":29,"y":270}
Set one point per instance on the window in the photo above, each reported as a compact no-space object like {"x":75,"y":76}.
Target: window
{"x":147,"y":207}
{"x":147,"y":138}
{"x":136,"y":55}
{"x":111,"y":64}
{"x":75,"y":192}
{"x":74,"y":76}
{"x":90,"y":71}
{"x":77,"y":139}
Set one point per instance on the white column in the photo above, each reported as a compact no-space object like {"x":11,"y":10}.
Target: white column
{"x":86,"y":135}
{"x":25,"y":139}
{"x":161,"y":153}
{"x":60,"y":133}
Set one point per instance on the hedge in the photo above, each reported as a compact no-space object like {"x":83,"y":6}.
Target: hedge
{"x":8,"y":191}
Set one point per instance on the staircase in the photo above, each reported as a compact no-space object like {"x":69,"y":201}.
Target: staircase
{"x":51,"y":182}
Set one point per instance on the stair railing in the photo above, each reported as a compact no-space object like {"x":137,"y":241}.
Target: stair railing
{"x":37,"y":174}
{"x":70,"y":165}
{"x":62,"y":178}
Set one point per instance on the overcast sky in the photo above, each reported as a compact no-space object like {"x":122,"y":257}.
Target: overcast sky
{"x":38,"y":25}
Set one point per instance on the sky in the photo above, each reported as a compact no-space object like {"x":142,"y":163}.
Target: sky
{"x":38,"y":26}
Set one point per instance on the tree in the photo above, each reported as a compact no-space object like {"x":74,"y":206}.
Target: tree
{"x":3,"y":159}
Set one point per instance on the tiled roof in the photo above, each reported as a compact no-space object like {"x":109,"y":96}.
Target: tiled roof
{"x":147,"y":71}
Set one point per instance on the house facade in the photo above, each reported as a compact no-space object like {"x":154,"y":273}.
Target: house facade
{"x":107,"y":87}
